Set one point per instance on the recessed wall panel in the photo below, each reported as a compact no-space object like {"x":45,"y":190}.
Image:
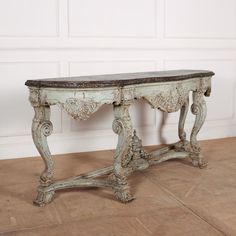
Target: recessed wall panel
{"x":16,"y":111}
{"x":112,"y":18}
{"x":200,"y":19}
{"x":23,"y":18}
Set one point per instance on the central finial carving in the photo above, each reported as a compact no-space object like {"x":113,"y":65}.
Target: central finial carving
{"x":137,"y":157}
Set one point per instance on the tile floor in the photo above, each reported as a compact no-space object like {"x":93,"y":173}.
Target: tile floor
{"x":172,"y":198}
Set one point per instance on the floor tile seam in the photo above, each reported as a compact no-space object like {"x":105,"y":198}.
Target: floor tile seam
{"x":143,"y":226}
{"x":29,"y":228}
{"x":14,"y":184}
{"x":189,"y":209}
{"x":215,"y":227}
{"x":71,"y":221}
{"x":103,"y":217}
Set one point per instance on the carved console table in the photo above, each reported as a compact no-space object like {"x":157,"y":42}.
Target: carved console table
{"x":81,"y":96}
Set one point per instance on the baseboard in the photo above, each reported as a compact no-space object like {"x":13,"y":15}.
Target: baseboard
{"x":22,"y":146}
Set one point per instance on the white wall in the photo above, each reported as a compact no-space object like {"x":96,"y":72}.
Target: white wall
{"x":50,"y":38}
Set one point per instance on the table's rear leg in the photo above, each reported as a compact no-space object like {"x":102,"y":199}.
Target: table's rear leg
{"x":41,"y":128}
{"x":182,"y":119}
{"x":123,"y":127}
{"x":199,"y":109}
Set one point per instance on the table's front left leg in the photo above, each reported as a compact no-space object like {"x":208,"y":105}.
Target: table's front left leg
{"x":199,"y":109}
{"x":123,"y":127}
{"x":41,"y":128}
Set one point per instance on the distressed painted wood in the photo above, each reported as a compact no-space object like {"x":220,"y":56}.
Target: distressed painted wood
{"x":169,"y":92}
{"x":123,"y":127}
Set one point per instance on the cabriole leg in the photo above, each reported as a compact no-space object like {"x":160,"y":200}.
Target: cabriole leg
{"x":41,"y":128}
{"x":182,"y":145}
{"x":123,"y":127}
{"x":199,"y":109}
{"x":182,"y":119}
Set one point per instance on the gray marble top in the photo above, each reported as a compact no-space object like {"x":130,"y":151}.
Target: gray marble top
{"x":122,"y":79}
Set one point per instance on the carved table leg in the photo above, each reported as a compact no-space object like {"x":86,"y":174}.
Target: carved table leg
{"x":41,"y":128}
{"x":183,"y":144}
{"x":123,"y":127}
{"x":182,"y":119}
{"x":199,"y":109}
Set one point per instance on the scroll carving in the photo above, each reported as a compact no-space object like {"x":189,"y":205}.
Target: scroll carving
{"x":46,"y":128}
{"x":170,"y":100}
{"x":80,"y":109}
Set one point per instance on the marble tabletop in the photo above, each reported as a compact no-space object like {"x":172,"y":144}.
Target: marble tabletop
{"x":122,"y":79}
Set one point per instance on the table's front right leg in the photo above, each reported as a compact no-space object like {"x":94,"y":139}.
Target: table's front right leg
{"x":123,"y":127}
{"x":41,"y":128}
{"x":199,"y":109}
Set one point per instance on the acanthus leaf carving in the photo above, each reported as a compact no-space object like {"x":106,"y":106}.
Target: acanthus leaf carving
{"x":170,"y":100}
{"x":80,"y":109}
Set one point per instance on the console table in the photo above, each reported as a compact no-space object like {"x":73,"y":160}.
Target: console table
{"x":81,"y":96}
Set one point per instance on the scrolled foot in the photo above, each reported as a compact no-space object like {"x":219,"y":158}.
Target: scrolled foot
{"x":122,"y":193}
{"x":121,"y":189}
{"x":198,"y":160}
{"x":43,"y":197}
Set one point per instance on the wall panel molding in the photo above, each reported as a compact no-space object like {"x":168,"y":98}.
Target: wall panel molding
{"x":200,"y":19}
{"x":107,"y":22}
{"x":73,"y":37}
{"x":29,"y":18}
{"x":17,"y":115}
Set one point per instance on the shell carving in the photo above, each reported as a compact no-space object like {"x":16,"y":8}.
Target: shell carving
{"x":80,"y":108}
{"x":170,"y":100}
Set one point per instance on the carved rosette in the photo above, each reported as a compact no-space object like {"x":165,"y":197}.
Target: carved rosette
{"x":46,"y":128}
{"x":170,"y":100}
{"x":120,"y":125}
{"x":80,"y":109}
{"x":117,"y":126}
